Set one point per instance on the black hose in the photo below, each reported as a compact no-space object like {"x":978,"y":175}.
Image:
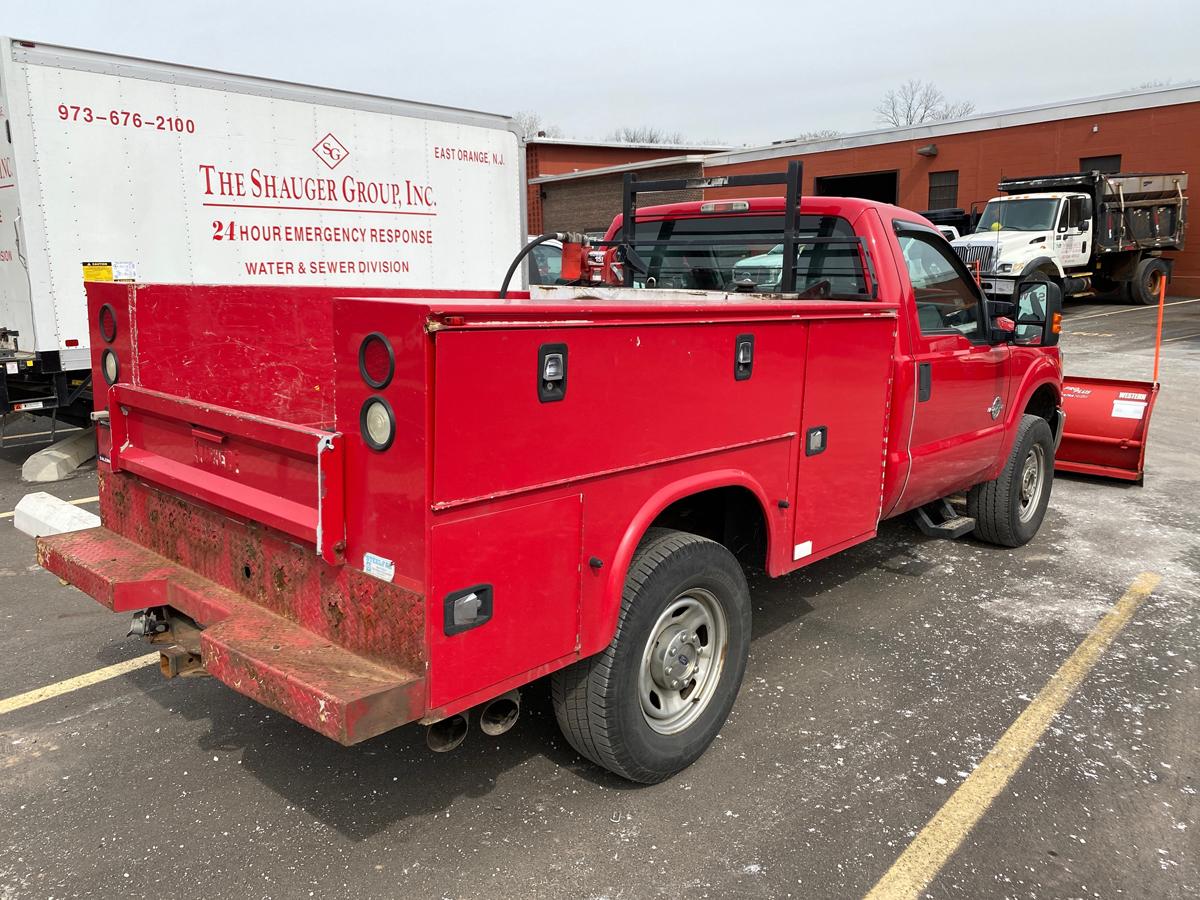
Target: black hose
{"x":540,"y":239}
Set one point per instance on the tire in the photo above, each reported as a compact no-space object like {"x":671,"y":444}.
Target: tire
{"x":601,"y":702}
{"x":1145,"y":285}
{"x":1007,"y":511}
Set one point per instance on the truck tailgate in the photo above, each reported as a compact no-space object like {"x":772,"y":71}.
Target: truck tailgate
{"x":283,"y":475}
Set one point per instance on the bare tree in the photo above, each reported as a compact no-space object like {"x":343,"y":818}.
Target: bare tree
{"x":822,"y":134}
{"x":918,"y":101}
{"x":530,"y":125}
{"x":644,"y":134}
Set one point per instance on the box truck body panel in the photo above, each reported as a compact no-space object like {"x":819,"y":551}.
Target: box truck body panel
{"x":125,"y":169}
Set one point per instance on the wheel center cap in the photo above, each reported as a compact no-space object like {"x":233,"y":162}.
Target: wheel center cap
{"x":673,"y":662}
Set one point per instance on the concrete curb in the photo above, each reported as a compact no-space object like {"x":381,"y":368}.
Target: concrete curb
{"x":39,"y":514}
{"x":57,"y":461}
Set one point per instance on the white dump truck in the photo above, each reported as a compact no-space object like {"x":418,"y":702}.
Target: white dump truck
{"x":1089,"y":232}
{"x":114,"y":168}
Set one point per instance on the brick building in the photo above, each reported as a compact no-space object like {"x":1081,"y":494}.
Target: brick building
{"x":958,"y":163}
{"x":558,"y":156}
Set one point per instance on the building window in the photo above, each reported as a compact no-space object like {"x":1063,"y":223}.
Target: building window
{"x":943,"y":190}
{"x":1109,"y":165}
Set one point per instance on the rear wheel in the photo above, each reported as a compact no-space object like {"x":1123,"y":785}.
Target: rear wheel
{"x":651,"y":703}
{"x":1009,"y":510}
{"x":1147,"y":281}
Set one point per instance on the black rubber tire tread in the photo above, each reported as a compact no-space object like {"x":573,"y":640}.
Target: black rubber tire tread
{"x":585,"y":703}
{"x":993,"y":504}
{"x":1138,"y":292}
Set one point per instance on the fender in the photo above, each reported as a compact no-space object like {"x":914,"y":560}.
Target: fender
{"x":1043,"y":370}
{"x":610,"y":601}
{"x":1042,"y":262}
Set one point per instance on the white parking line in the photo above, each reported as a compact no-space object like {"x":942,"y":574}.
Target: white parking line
{"x":20,"y":701}
{"x":79,"y":502}
{"x":1068,"y":321}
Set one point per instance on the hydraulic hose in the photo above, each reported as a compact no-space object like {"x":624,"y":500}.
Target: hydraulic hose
{"x":540,"y":239}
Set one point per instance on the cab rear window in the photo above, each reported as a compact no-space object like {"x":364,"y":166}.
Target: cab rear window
{"x":745,"y":253}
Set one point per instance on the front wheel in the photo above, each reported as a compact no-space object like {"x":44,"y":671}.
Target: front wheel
{"x":651,"y":703}
{"x":1009,"y":510}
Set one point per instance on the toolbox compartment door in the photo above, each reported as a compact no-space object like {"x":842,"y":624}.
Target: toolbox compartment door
{"x":839,"y":482}
{"x":528,"y":559}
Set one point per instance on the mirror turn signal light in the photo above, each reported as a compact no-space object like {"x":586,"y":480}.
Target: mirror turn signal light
{"x":1056,"y":323}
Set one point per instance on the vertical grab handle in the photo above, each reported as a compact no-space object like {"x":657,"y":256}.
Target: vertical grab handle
{"x":924,"y":381}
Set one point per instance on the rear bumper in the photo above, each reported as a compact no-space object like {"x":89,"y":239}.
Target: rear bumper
{"x":293,"y":670}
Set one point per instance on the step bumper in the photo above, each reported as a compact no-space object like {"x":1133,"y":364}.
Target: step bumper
{"x":282,"y":665}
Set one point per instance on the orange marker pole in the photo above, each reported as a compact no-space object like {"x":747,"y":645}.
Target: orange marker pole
{"x":1162,"y":301}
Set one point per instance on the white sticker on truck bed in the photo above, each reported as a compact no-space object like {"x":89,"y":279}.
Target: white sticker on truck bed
{"x":379,"y":567}
{"x":1128,"y":409}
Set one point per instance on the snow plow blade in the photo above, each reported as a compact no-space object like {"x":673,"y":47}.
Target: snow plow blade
{"x":1107,"y":421}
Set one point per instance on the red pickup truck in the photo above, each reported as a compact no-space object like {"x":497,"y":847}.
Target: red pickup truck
{"x":420,"y":501}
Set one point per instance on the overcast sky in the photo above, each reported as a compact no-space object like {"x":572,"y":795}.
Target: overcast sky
{"x":747,"y":72}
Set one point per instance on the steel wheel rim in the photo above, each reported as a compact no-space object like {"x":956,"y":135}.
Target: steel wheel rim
{"x":1033,"y":479}
{"x":682,"y":661}
{"x":1152,"y":281}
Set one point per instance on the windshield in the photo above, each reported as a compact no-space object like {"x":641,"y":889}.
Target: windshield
{"x":753,"y":258}
{"x":1018,"y":215}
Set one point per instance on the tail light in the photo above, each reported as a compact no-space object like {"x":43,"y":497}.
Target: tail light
{"x":377,"y":423}
{"x":110,"y":367}
{"x":376,"y":360}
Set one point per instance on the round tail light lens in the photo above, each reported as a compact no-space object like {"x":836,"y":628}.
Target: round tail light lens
{"x":378,"y":423}
{"x":110,"y":367}
{"x":376,"y":361}
{"x":107,"y":320}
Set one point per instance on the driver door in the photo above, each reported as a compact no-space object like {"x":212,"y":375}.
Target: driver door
{"x":958,"y":423}
{"x":1071,"y":242}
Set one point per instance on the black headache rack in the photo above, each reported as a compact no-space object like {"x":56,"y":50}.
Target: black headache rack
{"x":792,"y":237}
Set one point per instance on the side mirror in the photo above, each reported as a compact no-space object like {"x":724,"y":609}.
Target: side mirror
{"x":1085,"y":224}
{"x":1038,"y":313}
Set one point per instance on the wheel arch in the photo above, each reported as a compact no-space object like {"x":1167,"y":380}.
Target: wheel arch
{"x":724,"y":498}
{"x":1047,"y":264}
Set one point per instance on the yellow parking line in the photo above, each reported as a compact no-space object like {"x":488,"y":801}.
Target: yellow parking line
{"x":20,"y":701}
{"x":79,"y":502}
{"x":929,"y":851}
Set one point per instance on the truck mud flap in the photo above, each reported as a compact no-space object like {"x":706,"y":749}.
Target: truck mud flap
{"x":1107,"y":422}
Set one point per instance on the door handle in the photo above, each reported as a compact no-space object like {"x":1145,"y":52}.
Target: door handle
{"x":924,"y":381}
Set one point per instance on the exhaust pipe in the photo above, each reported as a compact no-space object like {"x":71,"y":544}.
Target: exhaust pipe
{"x":444,"y":736}
{"x":500,"y":714}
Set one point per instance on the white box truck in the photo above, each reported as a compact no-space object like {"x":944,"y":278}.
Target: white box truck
{"x":1089,"y":232}
{"x":114,"y":168}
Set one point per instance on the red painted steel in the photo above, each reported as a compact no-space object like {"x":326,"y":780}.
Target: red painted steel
{"x":1107,"y":424}
{"x":237,"y":486}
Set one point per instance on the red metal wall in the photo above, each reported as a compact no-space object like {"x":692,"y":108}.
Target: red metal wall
{"x":1163,"y":139}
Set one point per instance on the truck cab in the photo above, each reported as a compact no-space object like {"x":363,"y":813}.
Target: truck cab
{"x":1051,"y":233}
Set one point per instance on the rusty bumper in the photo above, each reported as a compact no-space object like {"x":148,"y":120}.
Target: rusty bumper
{"x":304,"y":675}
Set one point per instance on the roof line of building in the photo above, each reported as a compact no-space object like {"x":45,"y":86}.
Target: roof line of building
{"x":626,"y":167}
{"x":623,"y":145}
{"x":1168,"y":95}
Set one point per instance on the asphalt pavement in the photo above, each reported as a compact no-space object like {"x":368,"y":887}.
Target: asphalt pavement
{"x":879,"y":680}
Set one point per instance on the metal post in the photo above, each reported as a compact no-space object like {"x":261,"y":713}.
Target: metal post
{"x":787,"y":282}
{"x":627,"y":223}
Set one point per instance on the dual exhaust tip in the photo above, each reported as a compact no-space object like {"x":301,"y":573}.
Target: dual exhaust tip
{"x":495,"y":718}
